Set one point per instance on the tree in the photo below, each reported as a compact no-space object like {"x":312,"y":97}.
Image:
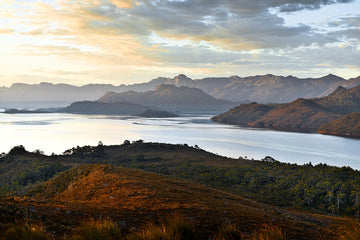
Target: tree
{"x":17,"y":150}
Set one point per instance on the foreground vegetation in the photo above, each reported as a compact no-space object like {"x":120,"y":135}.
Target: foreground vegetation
{"x":131,"y":198}
{"x":174,"y":228}
{"x":320,"y":188}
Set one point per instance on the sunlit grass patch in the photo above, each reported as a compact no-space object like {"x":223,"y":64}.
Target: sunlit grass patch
{"x":176,"y":228}
{"x":99,"y":230}
{"x":26,"y":232}
{"x":270,"y":232}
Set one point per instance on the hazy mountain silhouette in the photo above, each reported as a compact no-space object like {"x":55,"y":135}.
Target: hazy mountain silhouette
{"x":263,"y":89}
{"x":171,"y":98}
{"x":93,"y":107}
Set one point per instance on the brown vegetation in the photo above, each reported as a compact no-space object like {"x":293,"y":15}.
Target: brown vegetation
{"x":301,"y":115}
{"x":348,"y":126}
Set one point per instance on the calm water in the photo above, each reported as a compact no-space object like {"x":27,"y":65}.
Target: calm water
{"x":58,"y":132}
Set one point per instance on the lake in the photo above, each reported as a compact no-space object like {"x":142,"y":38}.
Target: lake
{"x":55,"y":132}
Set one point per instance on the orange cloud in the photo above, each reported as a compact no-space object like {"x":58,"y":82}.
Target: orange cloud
{"x":123,"y":3}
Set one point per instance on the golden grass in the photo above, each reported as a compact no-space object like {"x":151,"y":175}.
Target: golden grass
{"x":270,"y":232}
{"x":98,"y":230}
{"x":26,"y":232}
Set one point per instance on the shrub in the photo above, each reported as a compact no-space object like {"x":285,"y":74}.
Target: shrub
{"x":228,"y":232}
{"x":177,"y":228}
{"x":17,"y":150}
{"x":26,"y":232}
{"x":269,"y":232}
{"x":99,"y":230}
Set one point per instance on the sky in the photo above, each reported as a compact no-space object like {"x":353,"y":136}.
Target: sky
{"x":133,"y":41}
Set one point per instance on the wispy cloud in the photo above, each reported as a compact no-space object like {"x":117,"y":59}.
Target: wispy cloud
{"x":146,"y":38}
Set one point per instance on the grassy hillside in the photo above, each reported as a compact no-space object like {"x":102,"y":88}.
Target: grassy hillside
{"x":133,"y":197}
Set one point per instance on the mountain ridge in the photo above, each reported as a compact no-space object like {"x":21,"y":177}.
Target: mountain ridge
{"x":301,"y":115}
{"x":171,"y":98}
{"x":260,"y":88}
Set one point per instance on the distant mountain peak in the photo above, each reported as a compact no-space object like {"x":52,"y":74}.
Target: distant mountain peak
{"x":332,"y":77}
{"x":46,"y":84}
{"x":182,"y":76}
{"x":339,"y":89}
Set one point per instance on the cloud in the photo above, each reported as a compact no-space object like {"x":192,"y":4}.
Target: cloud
{"x":235,"y":25}
{"x":204,"y":36}
{"x":350,"y":28}
{"x":293,"y":6}
{"x":6,"y":30}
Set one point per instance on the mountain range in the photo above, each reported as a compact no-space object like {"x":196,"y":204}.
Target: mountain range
{"x":302,"y":115}
{"x":262,"y":88}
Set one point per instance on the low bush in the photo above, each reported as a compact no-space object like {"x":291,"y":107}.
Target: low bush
{"x":26,"y":232}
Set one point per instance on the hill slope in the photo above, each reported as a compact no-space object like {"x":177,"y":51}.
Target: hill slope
{"x":316,"y":188}
{"x":304,"y":115}
{"x":342,"y":100}
{"x":348,"y":126}
{"x":93,"y":107}
{"x":121,"y":191}
{"x":243,"y":114}
{"x":301,"y":115}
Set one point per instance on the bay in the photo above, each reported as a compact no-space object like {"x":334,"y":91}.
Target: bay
{"x":55,"y":132}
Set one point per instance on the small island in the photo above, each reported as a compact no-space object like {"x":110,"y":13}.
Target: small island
{"x":157,"y":114}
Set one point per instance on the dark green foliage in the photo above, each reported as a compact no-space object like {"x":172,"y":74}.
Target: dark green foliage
{"x":17,"y":150}
{"x":39,"y":171}
{"x":322,"y":188}
{"x":87,"y":152}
